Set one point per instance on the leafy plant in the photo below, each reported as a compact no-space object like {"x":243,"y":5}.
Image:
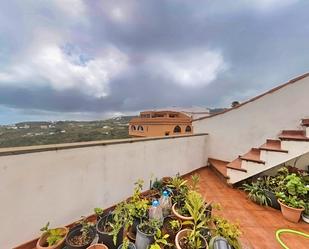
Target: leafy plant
{"x":179,"y":189}
{"x":175,"y":225}
{"x":98,"y":211}
{"x":160,"y":240}
{"x":86,"y":226}
{"x":125,"y":243}
{"x":230,"y":231}
{"x":256,"y":193}
{"x":293,"y":192}
{"x":121,"y":217}
{"x":195,"y":181}
{"x":139,"y":206}
{"x":150,"y":226}
{"x":291,"y":201}
{"x":53,"y":235}
{"x":195,"y":205}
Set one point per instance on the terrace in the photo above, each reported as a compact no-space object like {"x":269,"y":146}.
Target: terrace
{"x":60,"y":183}
{"x":257,"y":223}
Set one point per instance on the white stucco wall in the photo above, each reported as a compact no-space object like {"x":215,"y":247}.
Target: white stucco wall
{"x":60,"y":186}
{"x":233,"y":133}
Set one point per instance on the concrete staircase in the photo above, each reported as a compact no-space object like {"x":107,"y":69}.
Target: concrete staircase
{"x":289,"y":145}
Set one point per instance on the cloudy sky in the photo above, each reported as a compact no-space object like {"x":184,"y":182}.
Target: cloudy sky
{"x":74,"y":59}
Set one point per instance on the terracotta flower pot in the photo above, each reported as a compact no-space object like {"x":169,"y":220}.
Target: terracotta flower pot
{"x":97,"y":246}
{"x":174,"y":210}
{"x":184,"y":233}
{"x":289,"y":213}
{"x":41,"y":243}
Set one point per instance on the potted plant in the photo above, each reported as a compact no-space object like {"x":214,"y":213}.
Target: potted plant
{"x":81,"y":236}
{"x":179,"y":189}
{"x":111,"y":226}
{"x":291,"y":197}
{"x":172,"y":225}
{"x":138,"y":207}
{"x":98,"y":212}
{"x":305,"y":214}
{"x":52,"y":238}
{"x":229,"y":231}
{"x":146,"y":232}
{"x":191,"y":238}
{"x":270,"y":185}
{"x":126,"y":244}
{"x":160,"y":240}
{"x":256,"y":193}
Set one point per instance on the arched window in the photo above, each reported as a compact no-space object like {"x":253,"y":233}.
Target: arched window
{"x":140,"y":128}
{"x":177,"y":129}
{"x":188,"y":128}
{"x":133,"y":128}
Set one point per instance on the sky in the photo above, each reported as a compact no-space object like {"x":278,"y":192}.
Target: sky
{"x":85,"y":60}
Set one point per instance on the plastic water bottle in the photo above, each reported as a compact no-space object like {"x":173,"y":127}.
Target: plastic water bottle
{"x":155,"y":211}
{"x":165,"y":203}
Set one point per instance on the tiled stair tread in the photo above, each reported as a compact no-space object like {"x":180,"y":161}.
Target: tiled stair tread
{"x":293,"y":133}
{"x":236,"y":164}
{"x":305,"y":122}
{"x":299,"y":135}
{"x":272,"y":145}
{"x":219,"y":165}
{"x":253,"y":155}
{"x":294,"y":137}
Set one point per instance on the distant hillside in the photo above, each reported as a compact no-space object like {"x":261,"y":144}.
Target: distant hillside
{"x":43,"y":132}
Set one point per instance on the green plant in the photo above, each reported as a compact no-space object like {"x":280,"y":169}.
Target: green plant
{"x":125,"y":243}
{"x":121,"y":217}
{"x":291,"y":201}
{"x":175,"y":225}
{"x":53,"y":235}
{"x":98,"y":211}
{"x":195,"y":205}
{"x":86,"y":226}
{"x":293,"y":191}
{"x":160,"y":240}
{"x":228,"y":230}
{"x":150,"y":226}
{"x":256,"y":193}
{"x":195,"y":181}
{"x":179,"y":189}
{"x":138,"y":205}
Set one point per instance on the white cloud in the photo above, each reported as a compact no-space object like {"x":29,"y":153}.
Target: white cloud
{"x":266,"y":5}
{"x":73,"y":8}
{"x":51,"y":65}
{"x":191,"y":68}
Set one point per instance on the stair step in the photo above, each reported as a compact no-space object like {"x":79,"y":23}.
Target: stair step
{"x":297,"y":135}
{"x":219,"y":166}
{"x":305,"y":122}
{"x":272,"y":145}
{"x":253,"y":156}
{"x":236,"y":164}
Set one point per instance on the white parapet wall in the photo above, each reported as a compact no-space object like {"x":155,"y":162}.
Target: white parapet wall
{"x":61,"y":183}
{"x":236,"y":131}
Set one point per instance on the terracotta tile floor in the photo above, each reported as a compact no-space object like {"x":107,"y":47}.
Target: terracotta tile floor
{"x":257,"y":223}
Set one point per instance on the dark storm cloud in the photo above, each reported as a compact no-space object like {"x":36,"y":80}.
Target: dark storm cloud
{"x":124,"y":56}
